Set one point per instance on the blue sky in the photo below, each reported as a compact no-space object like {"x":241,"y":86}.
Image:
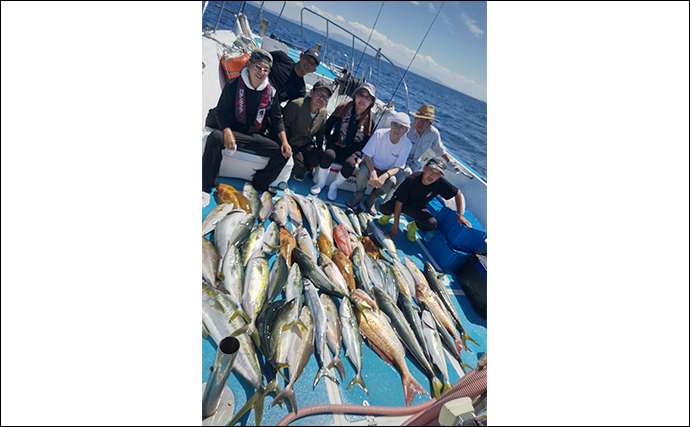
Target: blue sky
{"x":454,"y":52}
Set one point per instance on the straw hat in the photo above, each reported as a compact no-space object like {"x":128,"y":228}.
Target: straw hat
{"x":425,"y":112}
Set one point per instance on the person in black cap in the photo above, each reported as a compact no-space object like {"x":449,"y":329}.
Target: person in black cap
{"x":413,"y":195}
{"x":305,"y":118}
{"x":287,"y":77}
{"x":240,"y":119}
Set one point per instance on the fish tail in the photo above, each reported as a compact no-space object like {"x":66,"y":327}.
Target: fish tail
{"x":288,"y":393}
{"x":326,"y":372}
{"x":465,"y":338}
{"x":411,"y":387}
{"x":446,"y":387}
{"x":436,"y":387}
{"x":359,"y":381}
{"x":256,"y":402}
{"x":339,"y":364}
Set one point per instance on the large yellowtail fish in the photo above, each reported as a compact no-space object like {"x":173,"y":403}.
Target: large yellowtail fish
{"x":216,"y":312}
{"x":298,"y":352}
{"x":383,"y":339}
{"x":254,"y":294}
{"x":209,"y":261}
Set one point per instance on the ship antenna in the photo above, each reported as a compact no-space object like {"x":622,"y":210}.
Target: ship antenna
{"x":420,"y":46}
{"x":367,"y":44}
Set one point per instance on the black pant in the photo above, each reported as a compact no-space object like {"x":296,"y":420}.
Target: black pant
{"x":213,"y":156}
{"x":305,"y":157}
{"x":425,"y":221}
{"x":346,"y":157}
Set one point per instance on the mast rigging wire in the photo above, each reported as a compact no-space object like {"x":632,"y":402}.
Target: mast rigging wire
{"x":420,"y":46}
{"x":372,"y":32}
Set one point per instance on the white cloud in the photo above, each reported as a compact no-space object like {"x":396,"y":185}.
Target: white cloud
{"x":432,"y":8}
{"x":340,"y":19}
{"x":416,"y":3}
{"x":476,"y":31}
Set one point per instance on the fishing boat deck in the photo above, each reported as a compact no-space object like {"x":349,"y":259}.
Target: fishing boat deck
{"x":383,"y":381}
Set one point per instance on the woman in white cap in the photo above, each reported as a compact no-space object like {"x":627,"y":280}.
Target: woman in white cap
{"x":384,"y":155}
{"x":347,"y":131}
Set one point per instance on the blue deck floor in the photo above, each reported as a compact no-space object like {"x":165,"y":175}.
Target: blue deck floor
{"x":383,"y":381}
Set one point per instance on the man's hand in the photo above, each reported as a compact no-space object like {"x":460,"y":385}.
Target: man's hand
{"x":394,"y":230}
{"x":229,"y":139}
{"x":374,"y":179}
{"x":286,"y":150}
{"x":463,"y":221}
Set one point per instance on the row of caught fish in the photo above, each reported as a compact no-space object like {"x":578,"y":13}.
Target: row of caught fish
{"x":389,"y":302}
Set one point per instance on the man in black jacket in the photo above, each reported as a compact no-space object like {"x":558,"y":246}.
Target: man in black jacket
{"x":287,"y":77}
{"x":244,"y":105}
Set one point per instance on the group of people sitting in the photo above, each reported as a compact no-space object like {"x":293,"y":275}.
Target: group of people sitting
{"x":249,"y":115}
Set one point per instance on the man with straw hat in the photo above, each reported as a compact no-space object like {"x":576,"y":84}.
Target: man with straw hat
{"x":424,"y":136}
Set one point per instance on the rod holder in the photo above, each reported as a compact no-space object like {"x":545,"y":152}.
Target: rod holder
{"x":228,"y":348}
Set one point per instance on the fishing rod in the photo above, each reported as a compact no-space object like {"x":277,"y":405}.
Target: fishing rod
{"x":420,"y":46}
{"x":367,"y":43}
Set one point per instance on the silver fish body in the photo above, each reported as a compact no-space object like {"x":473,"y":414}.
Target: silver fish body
{"x":293,"y":211}
{"x":334,"y":332}
{"x":217,"y":322}
{"x":390,"y":281}
{"x":266,"y":206}
{"x":382,"y":239}
{"x":228,"y":229}
{"x":324,"y":218}
{"x":299,"y":352}
{"x":209,"y":261}
{"x":280,"y":212}
{"x":254,"y":198}
{"x":254,"y":243}
{"x":211,"y":220}
{"x":305,"y":242}
{"x":359,"y":267}
{"x":340,"y":216}
{"x":353,"y":341}
{"x":354,"y":221}
{"x":433,"y":342}
{"x":333,"y":272}
{"x":271,"y":238}
{"x":232,"y":274}
{"x":255,"y":291}
{"x":308,"y":210}
{"x":311,"y":271}
{"x":320,"y":329}
{"x":277,"y":278}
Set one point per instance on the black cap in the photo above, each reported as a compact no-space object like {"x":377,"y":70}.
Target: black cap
{"x":322,"y":85}
{"x":314,"y":54}
{"x":437,"y":163}
{"x":261,"y":55}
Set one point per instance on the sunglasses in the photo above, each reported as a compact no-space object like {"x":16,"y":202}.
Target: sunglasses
{"x":322,"y":95}
{"x":260,"y":69}
{"x":364,"y":95}
{"x":395,"y":125}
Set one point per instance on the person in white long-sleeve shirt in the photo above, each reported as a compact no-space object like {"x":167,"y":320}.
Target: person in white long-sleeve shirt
{"x":384,"y":155}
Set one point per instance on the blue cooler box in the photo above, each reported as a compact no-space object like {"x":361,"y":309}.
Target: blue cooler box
{"x":460,"y":236}
{"x":447,"y":257}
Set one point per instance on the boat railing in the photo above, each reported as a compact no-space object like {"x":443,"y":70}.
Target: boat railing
{"x":355,"y":38}
{"x":240,"y":11}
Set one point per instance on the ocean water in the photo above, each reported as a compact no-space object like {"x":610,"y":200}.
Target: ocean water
{"x":462,"y":118}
